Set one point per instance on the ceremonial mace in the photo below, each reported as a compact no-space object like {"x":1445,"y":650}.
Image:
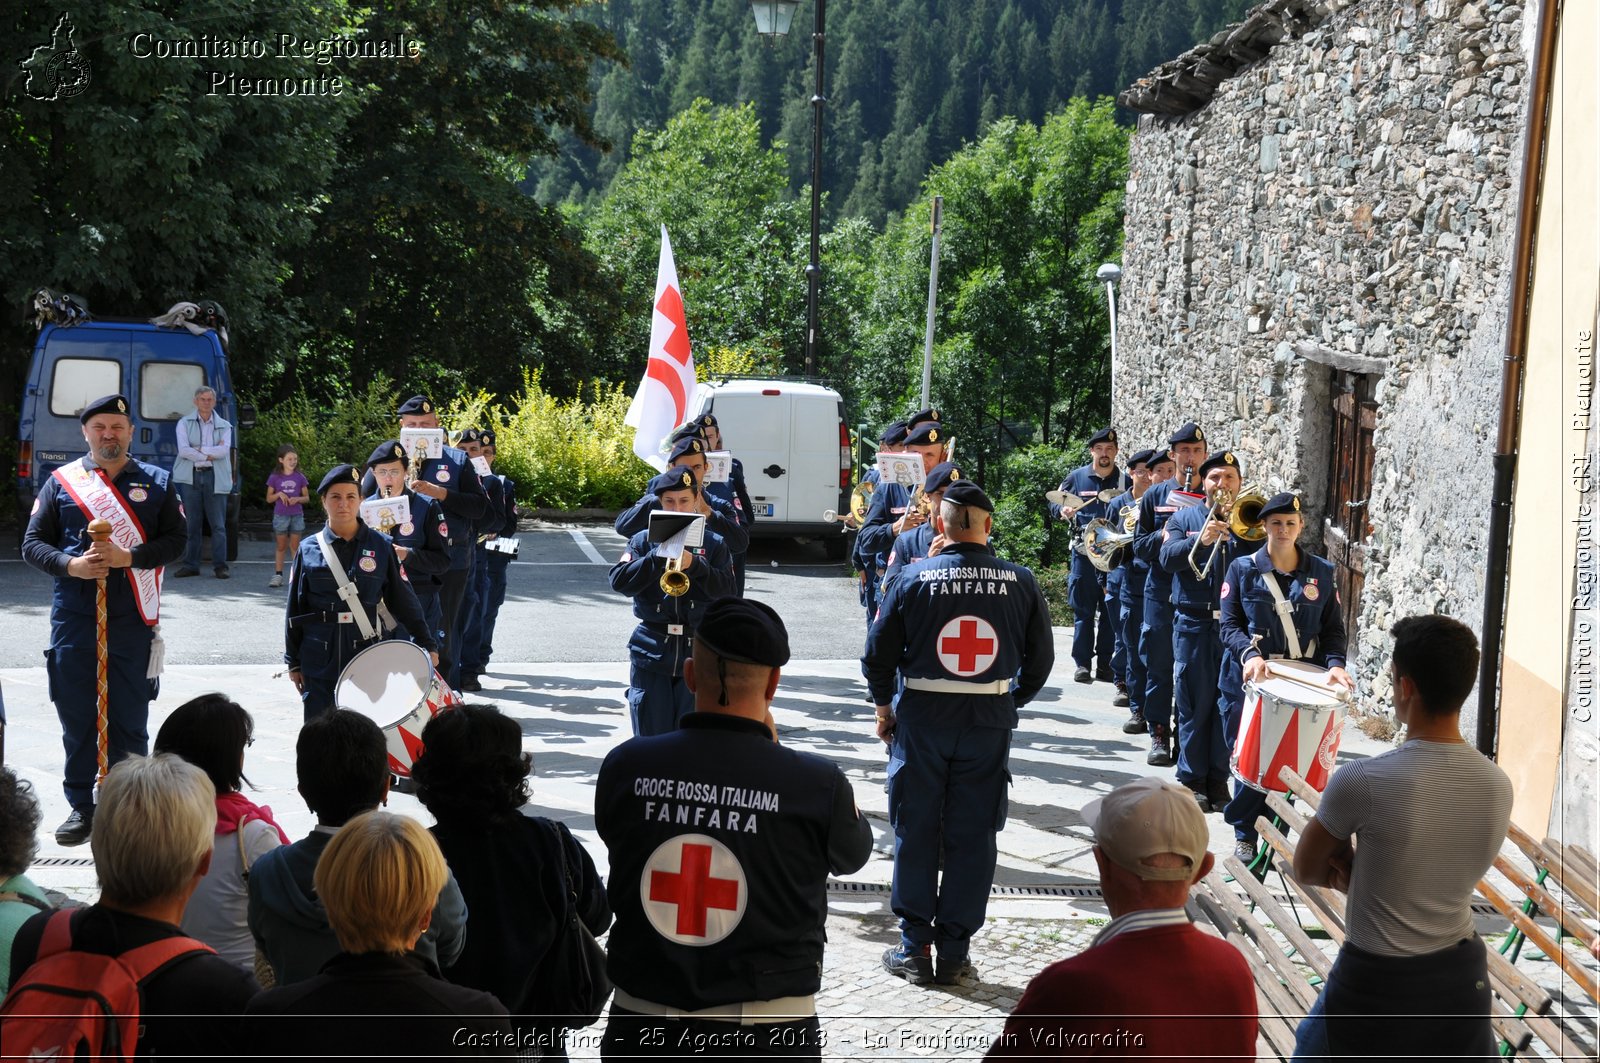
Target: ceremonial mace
{"x":100,"y":531}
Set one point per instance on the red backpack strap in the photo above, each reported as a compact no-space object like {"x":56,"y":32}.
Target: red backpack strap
{"x":57,"y":936}
{"x":146,"y":960}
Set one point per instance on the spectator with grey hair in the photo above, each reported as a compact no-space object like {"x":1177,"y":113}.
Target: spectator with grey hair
{"x":203,"y":472}
{"x":20,"y":899}
{"x":151,"y":841}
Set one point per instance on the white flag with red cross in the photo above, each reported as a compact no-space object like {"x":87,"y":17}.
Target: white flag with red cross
{"x":662,"y":401}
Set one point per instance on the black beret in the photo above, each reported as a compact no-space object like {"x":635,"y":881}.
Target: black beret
{"x":685,"y":447}
{"x":967,"y":493}
{"x":1142,"y":457}
{"x":1161,"y":455}
{"x":1282,"y":502}
{"x":692,"y":430}
{"x":1105,"y":435}
{"x":922,"y":416}
{"x":940,"y":477}
{"x":387,"y":451}
{"x":105,"y":404}
{"x":739,"y":629}
{"x":707,"y":420}
{"x":926,"y":434}
{"x":339,"y":474}
{"x":486,"y":437}
{"x":676,"y":478}
{"x":1189,"y":433}
{"x":1222,"y":458}
{"x":471,"y":435}
{"x":893,"y":434}
{"x":415,"y":404}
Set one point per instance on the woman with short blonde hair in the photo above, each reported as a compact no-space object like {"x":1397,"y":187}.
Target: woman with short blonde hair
{"x":137,"y":865}
{"x":379,"y":879}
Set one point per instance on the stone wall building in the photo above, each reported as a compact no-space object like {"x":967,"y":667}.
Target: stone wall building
{"x":1321,"y":216}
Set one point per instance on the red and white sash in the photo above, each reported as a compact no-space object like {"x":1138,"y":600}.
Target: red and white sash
{"x":95,"y":495}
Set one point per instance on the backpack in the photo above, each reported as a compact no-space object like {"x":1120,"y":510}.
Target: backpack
{"x":73,"y":1004}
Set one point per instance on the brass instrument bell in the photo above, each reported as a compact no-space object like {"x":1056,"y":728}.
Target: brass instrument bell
{"x":675,"y":581}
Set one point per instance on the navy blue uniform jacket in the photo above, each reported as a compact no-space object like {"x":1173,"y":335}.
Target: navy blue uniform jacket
{"x":1250,"y":626}
{"x":654,"y":646}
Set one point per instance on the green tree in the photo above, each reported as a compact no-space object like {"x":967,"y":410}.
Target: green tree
{"x":430,"y":261}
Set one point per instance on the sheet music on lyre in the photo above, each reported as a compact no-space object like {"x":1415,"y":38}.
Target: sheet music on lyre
{"x":384,"y":513}
{"x":903,"y":469}
{"x":694,"y":535}
{"x":719,"y":466}
{"x":430,"y":440}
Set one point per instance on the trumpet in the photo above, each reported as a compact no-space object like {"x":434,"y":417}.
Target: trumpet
{"x":1243,"y":514}
{"x":675,"y":581}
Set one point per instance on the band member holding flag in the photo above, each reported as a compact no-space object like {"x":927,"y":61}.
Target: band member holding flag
{"x":662,"y":402}
{"x":147,"y":533}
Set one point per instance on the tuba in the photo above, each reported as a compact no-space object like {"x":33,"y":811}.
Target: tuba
{"x":675,"y":581}
{"x":1103,"y":545}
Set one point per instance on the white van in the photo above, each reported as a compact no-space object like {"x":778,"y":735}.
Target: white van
{"x":794,"y":443}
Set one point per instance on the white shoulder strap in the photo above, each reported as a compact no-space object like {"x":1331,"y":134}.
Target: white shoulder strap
{"x":1285,"y":614}
{"x":347,"y":590}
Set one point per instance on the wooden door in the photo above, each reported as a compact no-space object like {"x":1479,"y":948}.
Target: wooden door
{"x":1348,"y":515}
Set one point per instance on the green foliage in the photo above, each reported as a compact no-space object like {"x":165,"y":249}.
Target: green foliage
{"x":908,"y":82}
{"x":1022,"y":349}
{"x":569,"y":453}
{"x":324,"y":436}
{"x":1024,"y":532}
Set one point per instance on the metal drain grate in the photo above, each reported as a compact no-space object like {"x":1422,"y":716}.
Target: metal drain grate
{"x":65,"y":861}
{"x":1075,"y":891}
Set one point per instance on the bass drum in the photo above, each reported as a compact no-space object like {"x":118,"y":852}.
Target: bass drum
{"x":394,"y":684}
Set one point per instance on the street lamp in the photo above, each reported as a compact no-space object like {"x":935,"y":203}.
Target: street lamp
{"x":772,"y":20}
{"x":1109,"y":274}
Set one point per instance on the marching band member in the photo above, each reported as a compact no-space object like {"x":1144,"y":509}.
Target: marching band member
{"x":1196,"y":641}
{"x":921,"y":542}
{"x":141,"y":504}
{"x":1279,"y":603}
{"x":452,"y":482}
{"x":423,"y":543}
{"x":497,"y":563}
{"x":1091,"y":619}
{"x":732,"y":490}
{"x":657,"y":695}
{"x":1126,"y":582}
{"x":689,"y":452}
{"x":968,"y":633}
{"x":469,"y":663}
{"x":870,"y":565}
{"x":890,"y":514}
{"x":341,"y":575}
{"x":1188,"y":450}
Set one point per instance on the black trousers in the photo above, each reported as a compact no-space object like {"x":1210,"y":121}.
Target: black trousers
{"x":452,"y":589}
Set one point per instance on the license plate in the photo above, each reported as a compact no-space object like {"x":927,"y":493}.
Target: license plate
{"x":763,"y":509}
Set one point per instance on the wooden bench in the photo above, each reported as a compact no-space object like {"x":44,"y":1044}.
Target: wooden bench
{"x":1289,"y":965}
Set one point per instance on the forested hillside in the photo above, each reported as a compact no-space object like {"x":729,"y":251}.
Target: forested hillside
{"x":908,"y":81}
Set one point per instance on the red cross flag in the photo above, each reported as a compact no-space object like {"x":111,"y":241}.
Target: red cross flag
{"x":693,"y":890}
{"x":968,"y":645}
{"x":662,"y":401}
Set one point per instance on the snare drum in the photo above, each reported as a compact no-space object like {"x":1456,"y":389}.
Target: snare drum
{"x":394,"y":684}
{"x":1286,"y":724}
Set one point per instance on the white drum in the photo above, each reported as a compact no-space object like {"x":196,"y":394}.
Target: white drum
{"x":1286,"y":724}
{"x":394,"y":684}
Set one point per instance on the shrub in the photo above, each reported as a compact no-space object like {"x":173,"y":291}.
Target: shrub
{"x":323,"y":437}
{"x":1024,"y":532}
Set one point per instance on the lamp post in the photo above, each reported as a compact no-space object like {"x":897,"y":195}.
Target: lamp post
{"x":773,"y":18}
{"x":1109,"y":274}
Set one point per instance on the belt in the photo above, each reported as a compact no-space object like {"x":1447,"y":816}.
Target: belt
{"x":679,"y":630}
{"x":783,"y":1009}
{"x":321,"y":618}
{"x":1195,"y":612}
{"x":958,"y":686}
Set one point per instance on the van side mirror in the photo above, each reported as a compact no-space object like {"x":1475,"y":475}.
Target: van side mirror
{"x":247,"y":416}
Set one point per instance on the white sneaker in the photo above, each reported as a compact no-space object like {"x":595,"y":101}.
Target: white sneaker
{"x":277,"y":580}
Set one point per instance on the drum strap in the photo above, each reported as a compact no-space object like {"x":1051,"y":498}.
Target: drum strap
{"x":347,"y":590}
{"x":1286,"y":615}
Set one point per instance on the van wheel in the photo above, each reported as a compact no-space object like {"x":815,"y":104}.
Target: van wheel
{"x":834,"y":546}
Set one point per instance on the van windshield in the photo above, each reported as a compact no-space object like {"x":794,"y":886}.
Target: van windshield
{"x":166,"y":389}
{"x":79,"y":381}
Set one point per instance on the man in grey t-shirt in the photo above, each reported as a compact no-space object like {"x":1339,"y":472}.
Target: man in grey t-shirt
{"x":1430,"y":817}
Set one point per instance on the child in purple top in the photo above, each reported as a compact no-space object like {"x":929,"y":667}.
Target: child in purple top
{"x":288,"y":490}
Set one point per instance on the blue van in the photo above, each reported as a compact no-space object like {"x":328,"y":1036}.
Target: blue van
{"x":157,"y":368}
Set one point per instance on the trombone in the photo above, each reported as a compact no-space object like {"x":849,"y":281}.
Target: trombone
{"x":1243,"y":513}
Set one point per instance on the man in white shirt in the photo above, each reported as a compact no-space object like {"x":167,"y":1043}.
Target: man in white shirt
{"x":203,"y":472}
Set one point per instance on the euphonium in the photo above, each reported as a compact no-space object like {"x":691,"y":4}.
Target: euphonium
{"x":1130,"y":517}
{"x":675,"y":581}
{"x":860,"y":500}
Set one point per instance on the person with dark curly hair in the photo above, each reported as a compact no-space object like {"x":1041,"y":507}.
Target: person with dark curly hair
{"x":211,"y":732}
{"x":20,"y":899}
{"x":473,"y":777}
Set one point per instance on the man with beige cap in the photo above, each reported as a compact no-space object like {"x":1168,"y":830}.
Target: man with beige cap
{"x":1151,"y":983}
